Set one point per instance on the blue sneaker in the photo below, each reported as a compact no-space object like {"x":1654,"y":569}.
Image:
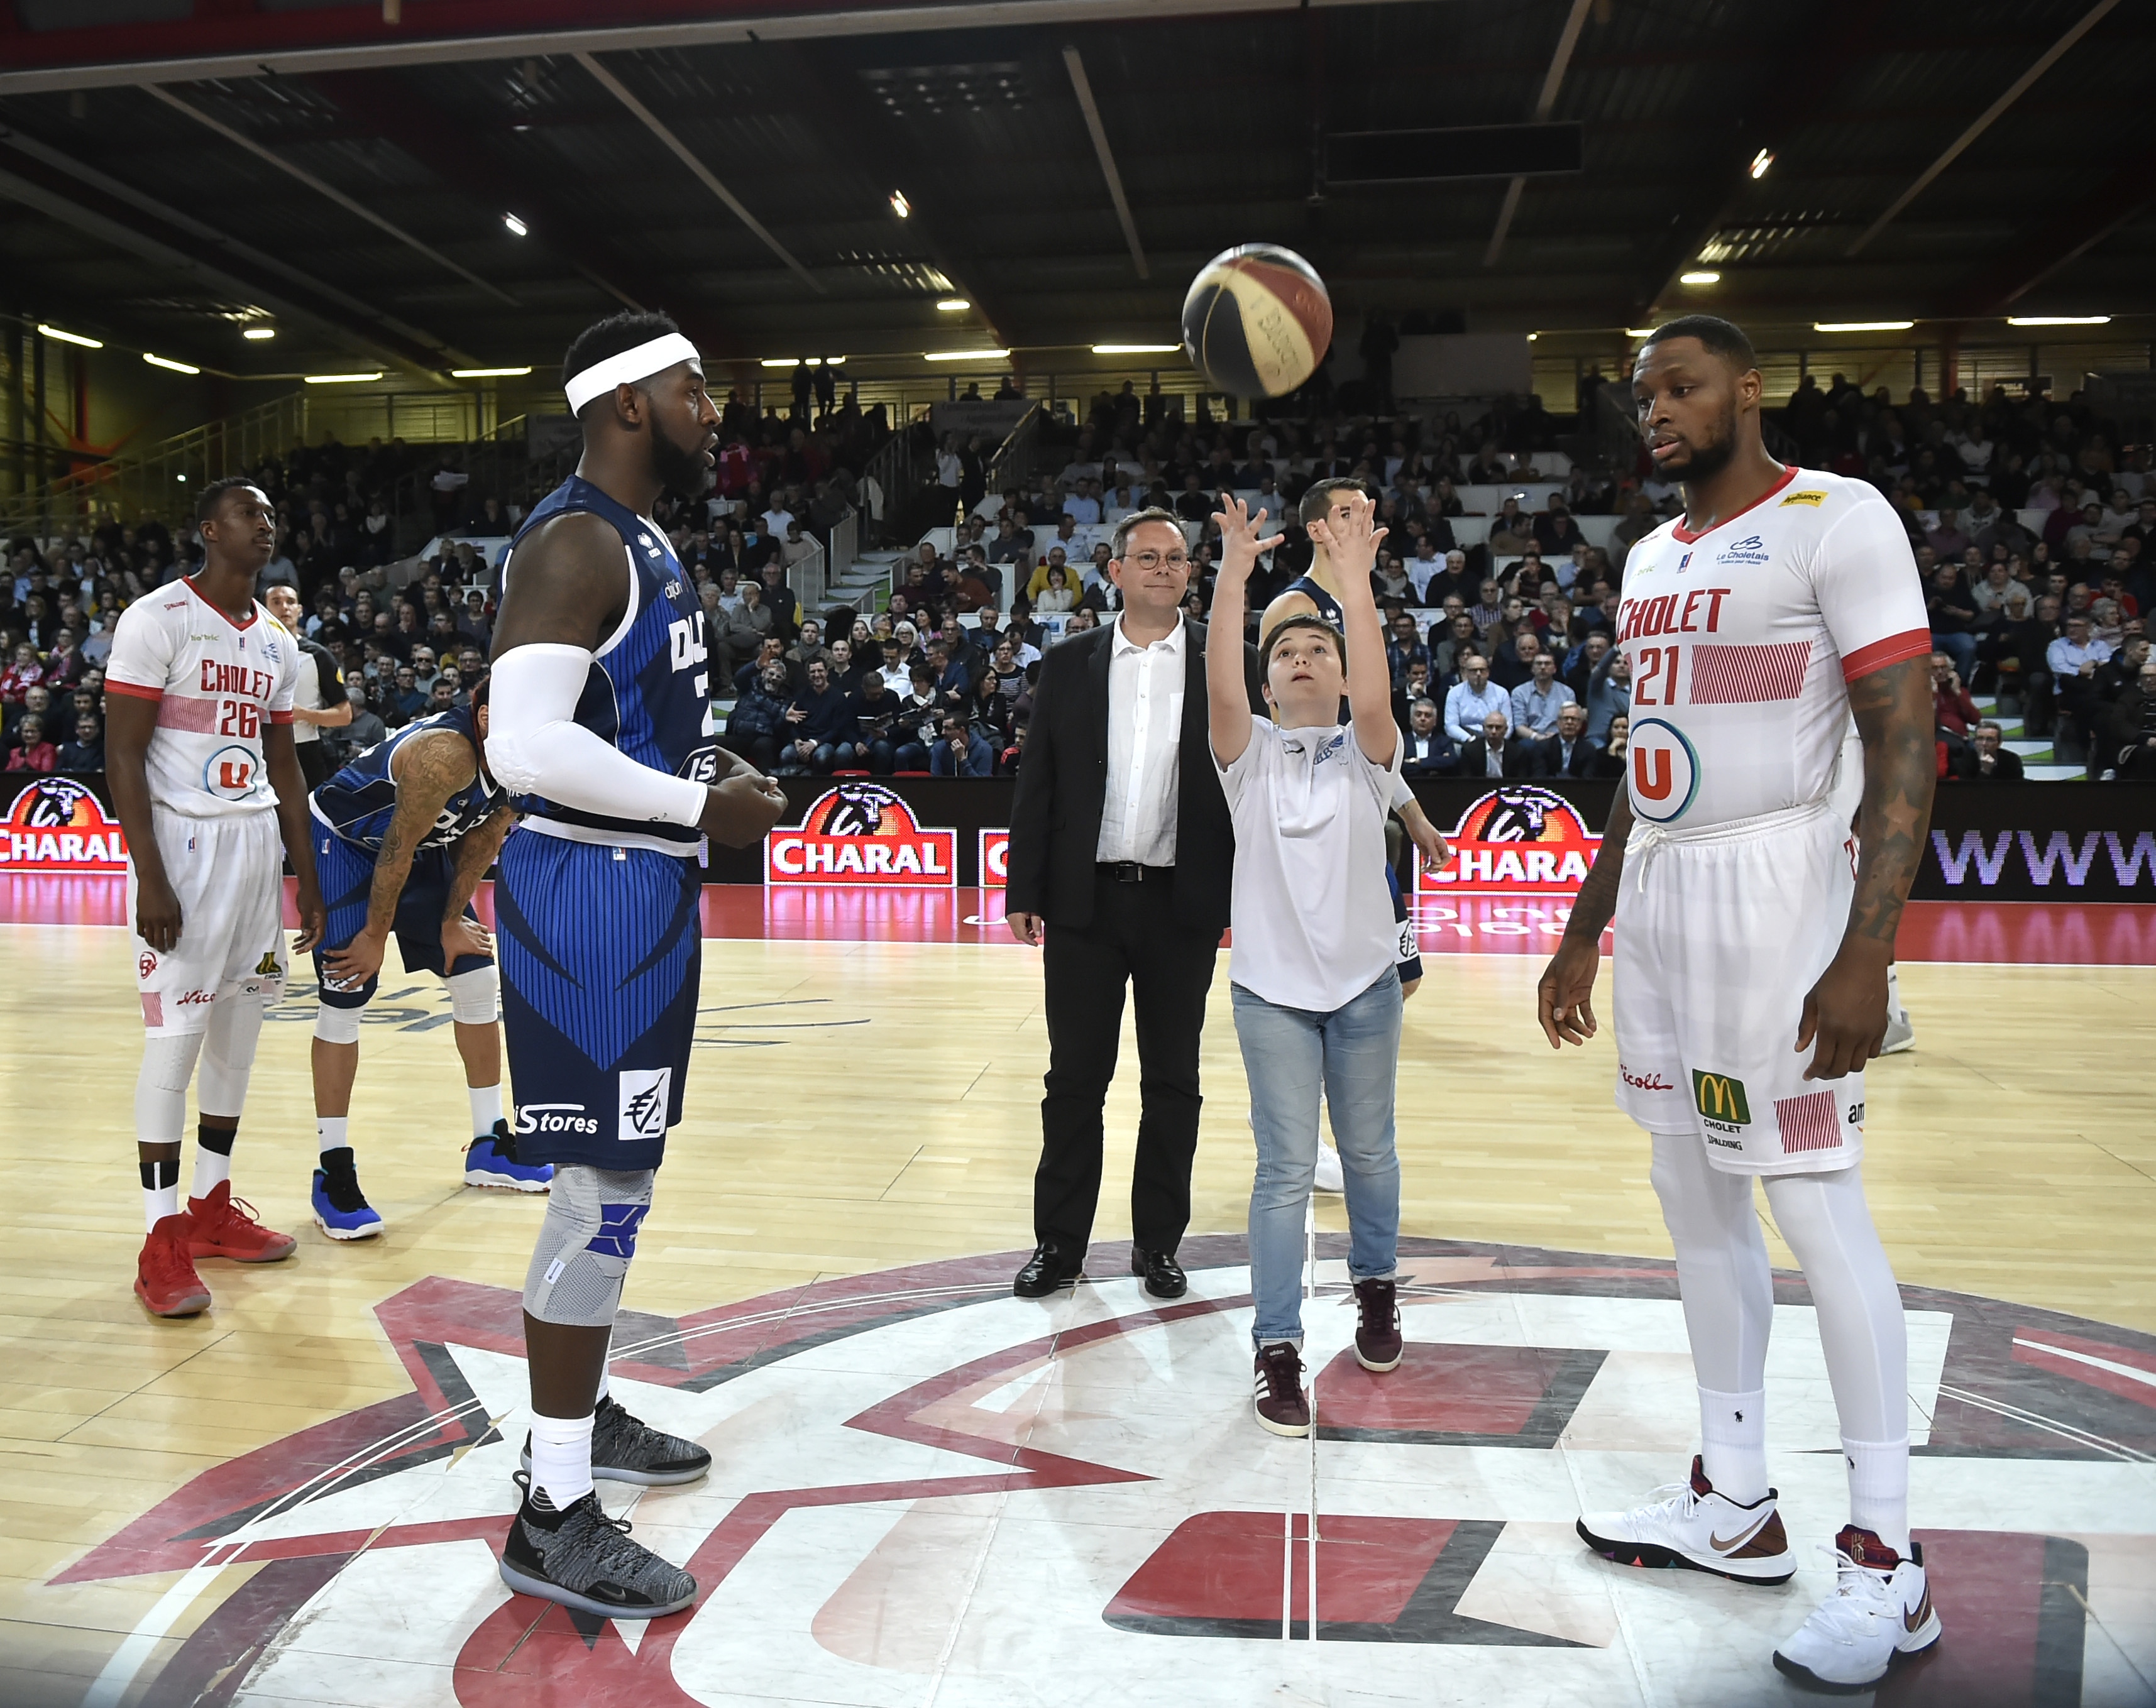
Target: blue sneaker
{"x":492,"y":1161}
{"x":340,"y":1207}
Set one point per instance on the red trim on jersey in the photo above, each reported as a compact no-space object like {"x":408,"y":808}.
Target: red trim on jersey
{"x":1895,"y":648}
{"x":129,"y":688}
{"x":1686,"y":537}
{"x":280,"y":717}
{"x":188,"y":582}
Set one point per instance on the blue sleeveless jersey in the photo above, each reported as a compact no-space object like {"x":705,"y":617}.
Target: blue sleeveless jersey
{"x":1328,"y":607}
{"x":649,"y":693}
{"x":358,"y":801}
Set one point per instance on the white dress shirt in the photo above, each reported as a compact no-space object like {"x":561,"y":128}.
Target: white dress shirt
{"x":1145,"y":746}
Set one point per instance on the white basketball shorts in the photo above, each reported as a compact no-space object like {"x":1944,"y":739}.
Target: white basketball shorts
{"x":1720,"y":935}
{"x":229,"y":876}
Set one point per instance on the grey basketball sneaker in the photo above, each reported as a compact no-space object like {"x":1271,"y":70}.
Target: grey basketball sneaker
{"x":584,"y":1560}
{"x":627,"y":1450}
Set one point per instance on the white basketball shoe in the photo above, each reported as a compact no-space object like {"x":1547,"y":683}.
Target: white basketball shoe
{"x":1880,"y":1613}
{"x":1693,"y":1526}
{"x":1329,"y":1176}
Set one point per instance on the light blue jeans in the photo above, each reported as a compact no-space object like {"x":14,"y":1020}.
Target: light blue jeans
{"x":1352,"y":1055}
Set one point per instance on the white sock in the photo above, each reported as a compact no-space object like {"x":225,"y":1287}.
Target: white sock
{"x":163,"y":1199}
{"x":562,"y":1458}
{"x":1879,"y":1488}
{"x":486,"y":1109}
{"x":329,"y":1132}
{"x":213,"y":1168}
{"x":1733,"y":1428}
{"x":604,"y":1384}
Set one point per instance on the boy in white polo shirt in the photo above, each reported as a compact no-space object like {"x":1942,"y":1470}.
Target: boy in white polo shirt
{"x":1317,"y":1000}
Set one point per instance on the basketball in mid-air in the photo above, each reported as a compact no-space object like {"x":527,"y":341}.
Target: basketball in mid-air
{"x":1257,"y":322}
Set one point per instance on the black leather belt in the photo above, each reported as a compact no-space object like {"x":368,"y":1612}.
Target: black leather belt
{"x":1131,"y":872}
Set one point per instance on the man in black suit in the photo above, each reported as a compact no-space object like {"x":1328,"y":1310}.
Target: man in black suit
{"x":1986,"y":759}
{"x":1497,"y":753}
{"x":1120,"y":858}
{"x":1568,"y":753}
{"x":1429,"y":750}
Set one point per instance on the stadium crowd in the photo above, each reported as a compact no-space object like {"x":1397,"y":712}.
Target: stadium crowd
{"x":2032,"y":523}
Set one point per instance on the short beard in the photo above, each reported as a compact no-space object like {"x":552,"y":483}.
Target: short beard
{"x":682,"y":471}
{"x":1710,"y":459}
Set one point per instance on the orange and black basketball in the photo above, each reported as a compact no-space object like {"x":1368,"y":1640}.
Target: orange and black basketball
{"x":1257,"y":320}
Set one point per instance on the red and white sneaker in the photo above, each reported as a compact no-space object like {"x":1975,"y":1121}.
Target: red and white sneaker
{"x":1880,"y":1613}
{"x":165,"y":1278}
{"x":1696,"y":1526}
{"x":222,"y":1225}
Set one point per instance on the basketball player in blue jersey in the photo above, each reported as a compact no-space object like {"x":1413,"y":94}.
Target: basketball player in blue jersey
{"x":600,"y":724}
{"x":402,"y":836}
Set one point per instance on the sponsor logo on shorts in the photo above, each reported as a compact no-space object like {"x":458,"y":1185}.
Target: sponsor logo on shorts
{"x":193,"y":998}
{"x":1721,"y":1101}
{"x":644,"y":1098}
{"x":554,"y":1118}
{"x":1856,"y":1115}
{"x":1815,"y":500}
{"x":146,"y":964}
{"x":1751,"y":549}
{"x":1722,"y":1144}
{"x":1650,"y":1080}
{"x":267,"y":967}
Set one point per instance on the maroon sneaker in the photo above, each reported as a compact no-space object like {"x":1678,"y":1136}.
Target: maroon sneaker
{"x":1282,"y":1406}
{"x":1378,"y":1345}
{"x":222,"y":1225}
{"x":165,"y":1278}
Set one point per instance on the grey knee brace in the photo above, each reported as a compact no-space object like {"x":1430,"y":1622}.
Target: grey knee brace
{"x":585,"y":1244}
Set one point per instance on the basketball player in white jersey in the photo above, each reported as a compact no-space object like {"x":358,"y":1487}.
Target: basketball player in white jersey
{"x":206,"y":782}
{"x":1753,"y":939}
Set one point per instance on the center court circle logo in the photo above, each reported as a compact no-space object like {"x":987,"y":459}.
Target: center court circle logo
{"x":901,"y":1455}
{"x":1664,"y":771}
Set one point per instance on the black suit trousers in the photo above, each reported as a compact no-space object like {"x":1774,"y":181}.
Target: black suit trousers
{"x":1133,"y":939}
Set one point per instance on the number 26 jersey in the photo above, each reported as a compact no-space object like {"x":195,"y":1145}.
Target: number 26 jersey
{"x":1743,"y":639}
{"x":217,"y":684}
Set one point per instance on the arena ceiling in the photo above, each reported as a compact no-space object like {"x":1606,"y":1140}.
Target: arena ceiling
{"x":173,"y":170}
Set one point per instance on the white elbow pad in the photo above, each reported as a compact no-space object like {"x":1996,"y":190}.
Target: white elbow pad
{"x":535,"y":746}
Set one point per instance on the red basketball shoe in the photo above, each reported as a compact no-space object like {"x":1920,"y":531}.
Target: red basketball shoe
{"x":165,"y":1278}
{"x":222,"y":1225}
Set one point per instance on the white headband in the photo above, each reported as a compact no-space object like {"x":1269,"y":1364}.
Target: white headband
{"x":628,"y":367}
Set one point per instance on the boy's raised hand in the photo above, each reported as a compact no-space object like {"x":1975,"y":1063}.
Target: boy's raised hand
{"x":1240,"y":544}
{"x":1352,"y":543}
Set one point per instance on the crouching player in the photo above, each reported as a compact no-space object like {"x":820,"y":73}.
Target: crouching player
{"x":1314,"y":987}
{"x":402,"y":836}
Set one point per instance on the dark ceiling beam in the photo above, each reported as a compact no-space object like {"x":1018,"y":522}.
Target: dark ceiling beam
{"x":830,"y":86}
{"x":1789,"y":95}
{"x":79,"y":196}
{"x":461,"y":156}
{"x":1081,"y":86}
{"x":1567,"y":38}
{"x":2069,"y":234}
{"x":304,"y":40}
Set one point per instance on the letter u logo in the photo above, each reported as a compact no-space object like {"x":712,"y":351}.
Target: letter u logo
{"x":1650,"y":773}
{"x":233,"y":774}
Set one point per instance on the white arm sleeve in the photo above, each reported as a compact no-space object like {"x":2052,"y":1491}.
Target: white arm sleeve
{"x":535,"y":746}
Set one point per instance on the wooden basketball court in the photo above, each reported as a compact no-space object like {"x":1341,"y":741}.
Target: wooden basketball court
{"x":860,"y":1107}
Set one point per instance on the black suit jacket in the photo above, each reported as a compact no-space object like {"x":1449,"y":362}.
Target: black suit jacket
{"x":1520,"y":759}
{"x":1055,"y":818}
{"x":1584,"y":753}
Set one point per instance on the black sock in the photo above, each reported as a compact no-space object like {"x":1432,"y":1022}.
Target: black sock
{"x":219,"y":1139}
{"x":158,"y":1175}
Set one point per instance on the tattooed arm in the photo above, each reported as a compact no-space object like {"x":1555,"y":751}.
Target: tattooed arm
{"x":1845,"y":1012}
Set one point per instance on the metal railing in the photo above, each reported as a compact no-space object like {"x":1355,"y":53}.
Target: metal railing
{"x":160,"y":480}
{"x":1012,"y":464}
{"x":805,"y":577}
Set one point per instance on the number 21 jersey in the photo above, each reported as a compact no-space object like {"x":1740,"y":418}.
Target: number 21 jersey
{"x":217,"y":683}
{"x":1743,"y":639}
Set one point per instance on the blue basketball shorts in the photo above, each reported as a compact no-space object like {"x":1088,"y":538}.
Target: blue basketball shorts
{"x":601,"y":953}
{"x":346,"y":872}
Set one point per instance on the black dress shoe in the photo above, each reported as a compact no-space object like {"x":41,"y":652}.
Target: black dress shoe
{"x":1163,"y":1275}
{"x":1045,"y":1271}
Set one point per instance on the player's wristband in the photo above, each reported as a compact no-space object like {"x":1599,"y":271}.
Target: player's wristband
{"x":535,"y":746}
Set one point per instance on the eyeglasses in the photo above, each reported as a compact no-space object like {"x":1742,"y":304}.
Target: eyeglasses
{"x":1154,"y":560}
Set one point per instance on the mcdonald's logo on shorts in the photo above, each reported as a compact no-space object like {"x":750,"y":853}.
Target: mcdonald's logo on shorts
{"x":1720,"y":1100}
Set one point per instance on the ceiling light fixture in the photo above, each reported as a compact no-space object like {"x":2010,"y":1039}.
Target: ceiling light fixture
{"x":1760,"y":161}
{"x":899,"y":206}
{"x":517,"y":227}
{"x":1862,"y":325}
{"x":258,"y":334}
{"x":2058,"y":319}
{"x":954,"y":304}
{"x":1639,"y":331}
{"x":341,"y":379}
{"x":1703,"y":276}
{"x":167,"y":362}
{"x":796,"y":360}
{"x":70,"y":337}
{"x":971,"y":355}
{"x":489,"y":373}
{"x":1134,"y":349}
{"x":1532,"y":336}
